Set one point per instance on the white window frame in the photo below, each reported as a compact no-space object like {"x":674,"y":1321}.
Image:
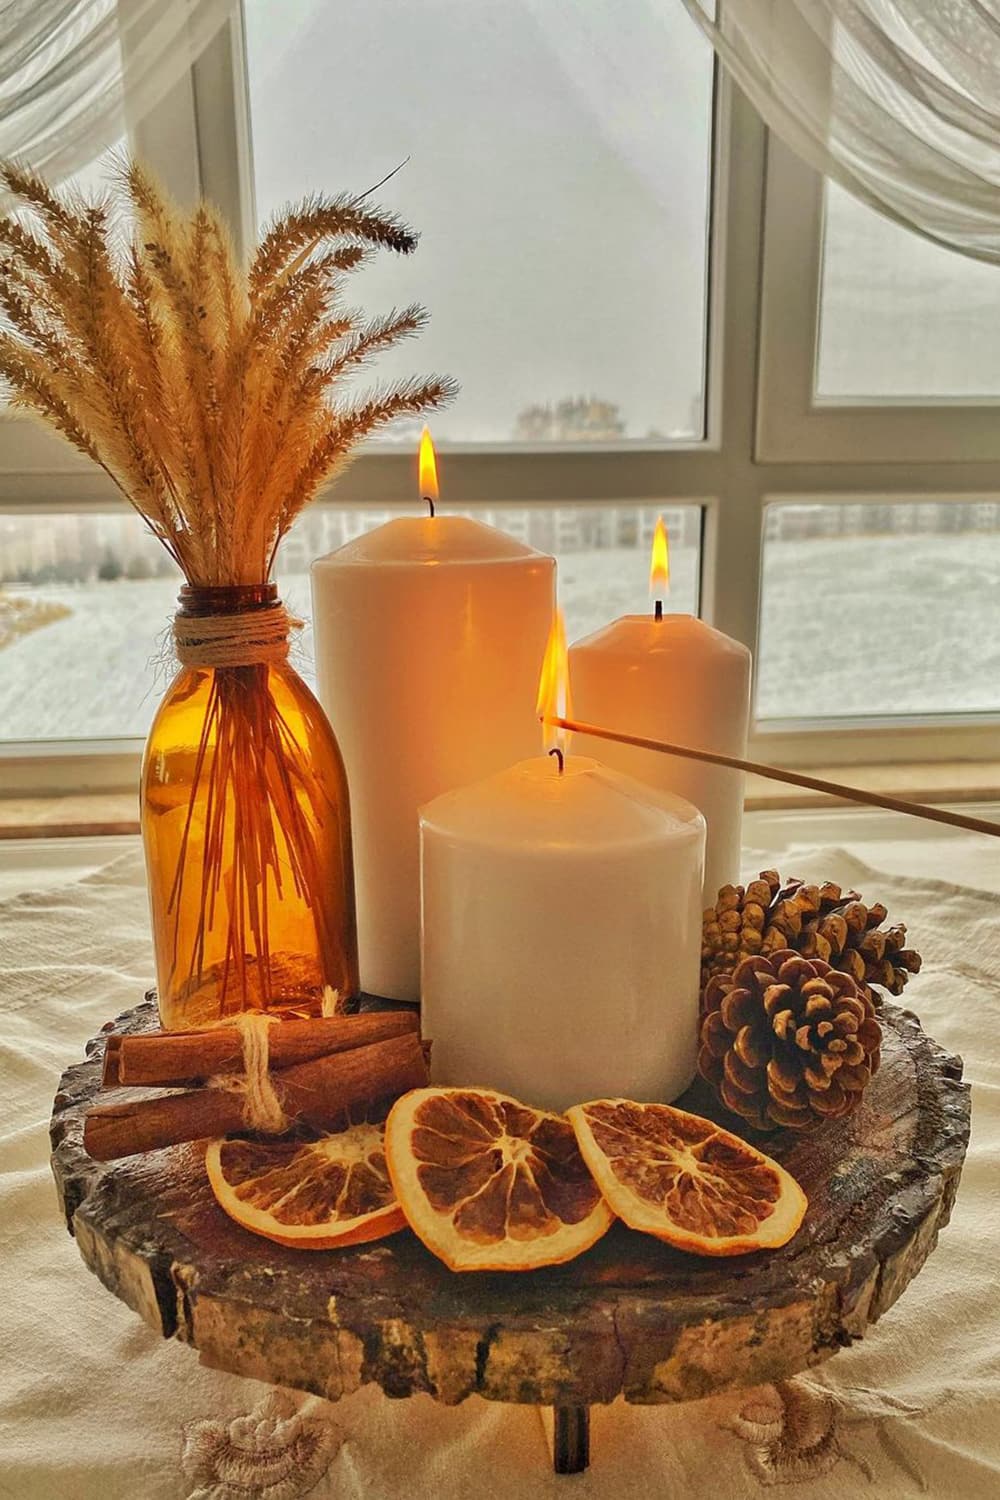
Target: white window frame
{"x":794,"y":425}
{"x":199,"y":139}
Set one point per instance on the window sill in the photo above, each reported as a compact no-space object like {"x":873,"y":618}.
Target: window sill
{"x":84,"y":814}
{"x":933,"y":782}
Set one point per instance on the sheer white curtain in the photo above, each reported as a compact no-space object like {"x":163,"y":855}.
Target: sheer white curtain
{"x":897,"y":100}
{"x":75,"y":74}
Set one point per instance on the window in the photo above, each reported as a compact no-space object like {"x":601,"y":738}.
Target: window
{"x":874,"y":345}
{"x":87,"y":601}
{"x":872,"y":610}
{"x":651,"y":305}
{"x":555,"y":160}
{"x":901,"y":318}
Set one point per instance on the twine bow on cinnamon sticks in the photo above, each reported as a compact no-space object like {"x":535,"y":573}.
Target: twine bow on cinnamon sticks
{"x":319,"y":1069}
{"x":792,"y":778}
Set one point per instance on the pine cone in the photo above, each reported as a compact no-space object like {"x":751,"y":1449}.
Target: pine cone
{"x":818,"y":921}
{"x":836,"y":926}
{"x":734,"y":927}
{"x":788,"y":1040}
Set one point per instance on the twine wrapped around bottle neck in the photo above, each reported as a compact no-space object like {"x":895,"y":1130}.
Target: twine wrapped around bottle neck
{"x":232,"y":626}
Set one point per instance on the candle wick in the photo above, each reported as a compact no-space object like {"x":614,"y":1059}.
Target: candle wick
{"x":560,"y":758}
{"x":658,"y":610}
{"x":430,"y":503}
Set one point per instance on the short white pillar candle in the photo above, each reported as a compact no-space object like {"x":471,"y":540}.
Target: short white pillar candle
{"x":562,"y":934}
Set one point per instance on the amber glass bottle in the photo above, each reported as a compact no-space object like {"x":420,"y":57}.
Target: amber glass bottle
{"x":246,"y":825}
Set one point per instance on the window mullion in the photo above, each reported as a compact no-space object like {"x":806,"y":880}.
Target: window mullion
{"x":222,"y":126}
{"x":164,"y":136}
{"x":731,"y":559}
{"x":197,"y":138}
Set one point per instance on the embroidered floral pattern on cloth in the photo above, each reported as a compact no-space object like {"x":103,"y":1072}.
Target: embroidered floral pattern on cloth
{"x":796,"y":1430}
{"x":278,"y":1451}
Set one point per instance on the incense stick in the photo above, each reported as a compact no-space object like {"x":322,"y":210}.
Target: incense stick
{"x":793,"y":778}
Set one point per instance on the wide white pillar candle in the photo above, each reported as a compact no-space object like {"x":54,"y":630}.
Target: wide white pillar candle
{"x":562,"y":935}
{"x":676,"y":679}
{"x":429,"y":633}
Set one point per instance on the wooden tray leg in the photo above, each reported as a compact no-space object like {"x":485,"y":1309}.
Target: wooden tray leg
{"x":571,"y":1439}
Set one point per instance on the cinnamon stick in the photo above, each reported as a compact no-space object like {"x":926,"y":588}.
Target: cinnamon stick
{"x":315,"y":1093}
{"x":172,"y":1057}
{"x":109,"y":1072}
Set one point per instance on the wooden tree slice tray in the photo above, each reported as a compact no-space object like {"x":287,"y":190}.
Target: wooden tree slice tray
{"x":630,"y":1317}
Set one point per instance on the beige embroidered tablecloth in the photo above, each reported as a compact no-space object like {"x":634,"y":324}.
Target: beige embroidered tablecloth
{"x":93,"y":1406}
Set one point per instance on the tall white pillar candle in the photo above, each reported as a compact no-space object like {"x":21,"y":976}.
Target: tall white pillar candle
{"x":429,"y":632}
{"x":562,"y":935}
{"x":677,"y":679}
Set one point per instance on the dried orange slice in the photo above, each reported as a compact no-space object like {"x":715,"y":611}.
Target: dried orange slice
{"x":686,"y":1180}
{"x":489,"y":1184}
{"x":309,"y":1195}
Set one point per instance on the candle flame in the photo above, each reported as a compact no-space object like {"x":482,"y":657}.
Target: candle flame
{"x":428,"y":467}
{"x":553,"y":686}
{"x":659,"y":562}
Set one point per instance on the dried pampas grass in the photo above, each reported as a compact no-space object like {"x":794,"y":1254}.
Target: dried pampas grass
{"x":208,"y":392}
